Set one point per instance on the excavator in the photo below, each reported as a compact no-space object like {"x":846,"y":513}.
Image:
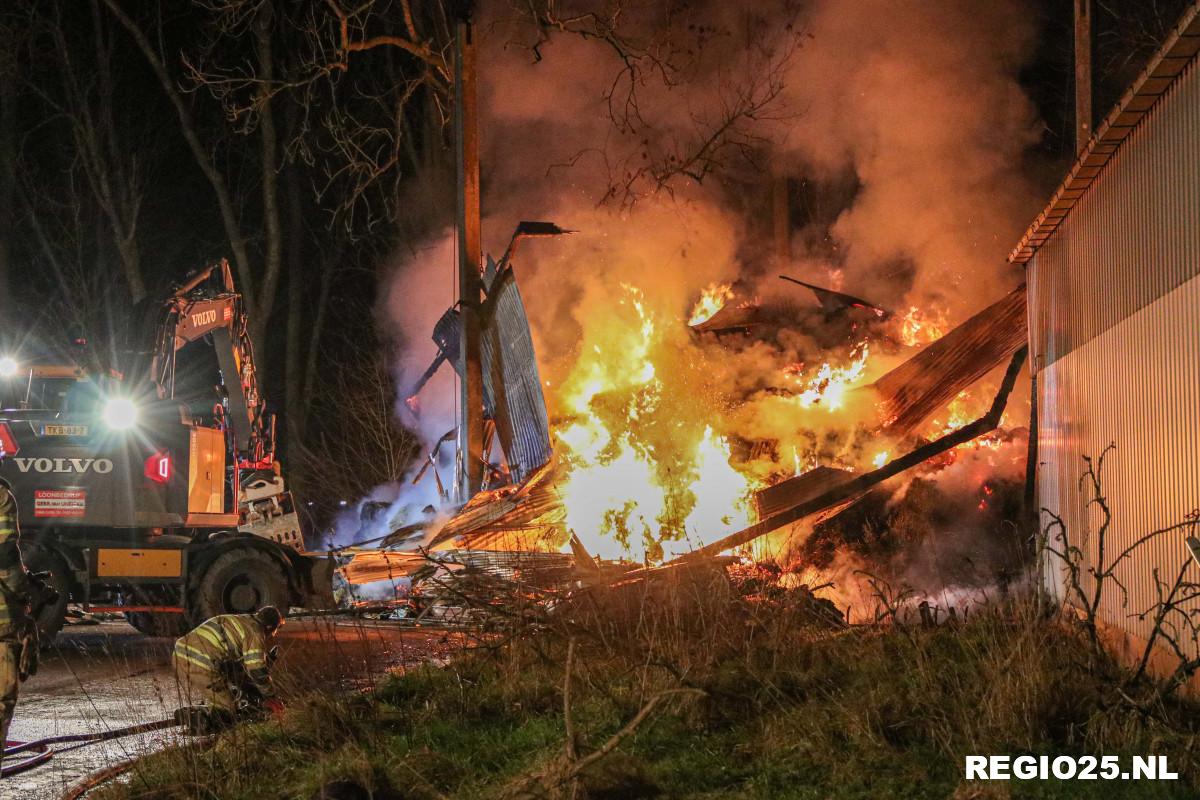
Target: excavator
{"x":152,"y":488}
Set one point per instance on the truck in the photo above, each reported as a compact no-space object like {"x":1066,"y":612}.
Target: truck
{"x":152,"y":487}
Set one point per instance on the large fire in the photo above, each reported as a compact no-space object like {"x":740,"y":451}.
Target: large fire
{"x":829,"y":384}
{"x":647,"y":438}
{"x":645,"y":479}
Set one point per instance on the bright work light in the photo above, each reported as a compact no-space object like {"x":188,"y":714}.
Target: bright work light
{"x":120,"y":413}
{"x":8,"y":366}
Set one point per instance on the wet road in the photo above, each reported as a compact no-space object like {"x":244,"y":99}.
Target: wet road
{"x":108,"y":676}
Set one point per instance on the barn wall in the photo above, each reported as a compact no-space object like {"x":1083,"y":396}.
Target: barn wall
{"x":1114,"y":317}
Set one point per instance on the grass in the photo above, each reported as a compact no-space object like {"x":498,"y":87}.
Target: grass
{"x":767,"y":702}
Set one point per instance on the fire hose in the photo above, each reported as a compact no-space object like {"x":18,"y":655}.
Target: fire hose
{"x":39,"y":751}
{"x":89,"y":782}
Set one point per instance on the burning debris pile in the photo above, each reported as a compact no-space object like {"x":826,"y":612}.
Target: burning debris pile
{"x":693,"y":401}
{"x":648,"y":463}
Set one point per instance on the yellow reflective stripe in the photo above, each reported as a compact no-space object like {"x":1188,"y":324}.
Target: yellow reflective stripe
{"x":194,"y":656}
{"x":242,"y":632}
{"x":211,"y":636}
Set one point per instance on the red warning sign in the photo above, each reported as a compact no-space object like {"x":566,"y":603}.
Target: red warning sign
{"x":59,"y":503}
{"x":8,"y":442}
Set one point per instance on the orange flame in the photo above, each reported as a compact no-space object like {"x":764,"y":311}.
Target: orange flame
{"x":829,"y":385}
{"x":639,"y":481}
{"x":711,"y":301}
{"x":920,"y":328}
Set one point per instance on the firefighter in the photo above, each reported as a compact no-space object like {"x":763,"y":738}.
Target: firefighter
{"x":18,"y":633}
{"x":225,"y":663}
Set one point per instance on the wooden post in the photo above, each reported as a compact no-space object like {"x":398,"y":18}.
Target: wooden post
{"x":1083,"y":74}
{"x":466,"y":138}
{"x":782,"y":217}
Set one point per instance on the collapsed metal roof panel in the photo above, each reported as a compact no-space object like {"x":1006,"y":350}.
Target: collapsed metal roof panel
{"x":798,"y":489}
{"x":513,"y":387}
{"x":1180,"y":48}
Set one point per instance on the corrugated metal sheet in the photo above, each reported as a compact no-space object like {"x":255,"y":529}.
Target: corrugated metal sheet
{"x":1115,"y":335}
{"x":1132,"y":239}
{"x":1136,"y":385}
{"x":513,"y":389}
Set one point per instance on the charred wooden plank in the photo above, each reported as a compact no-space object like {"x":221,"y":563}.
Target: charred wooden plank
{"x":913,"y":391}
{"x":794,"y":491}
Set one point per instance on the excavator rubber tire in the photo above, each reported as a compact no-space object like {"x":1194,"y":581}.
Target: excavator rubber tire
{"x":239,"y":581}
{"x":152,"y":624}
{"x":50,"y":618}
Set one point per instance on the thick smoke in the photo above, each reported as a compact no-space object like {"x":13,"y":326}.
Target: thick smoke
{"x":913,"y":106}
{"x":920,"y":101}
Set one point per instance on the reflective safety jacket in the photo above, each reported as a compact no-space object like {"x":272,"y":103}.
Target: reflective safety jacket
{"x":15,"y":588}
{"x":227,"y":644}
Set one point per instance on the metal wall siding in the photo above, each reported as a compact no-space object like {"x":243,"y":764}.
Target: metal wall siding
{"x":1115,"y":332}
{"x":1132,"y":238}
{"x":1136,"y":385}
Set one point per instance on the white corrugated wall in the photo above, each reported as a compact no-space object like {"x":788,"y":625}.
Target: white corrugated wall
{"x":1114,"y":318}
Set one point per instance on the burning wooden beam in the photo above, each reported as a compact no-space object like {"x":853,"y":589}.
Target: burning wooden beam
{"x":794,"y":491}
{"x":853,"y":487}
{"x":913,"y":391}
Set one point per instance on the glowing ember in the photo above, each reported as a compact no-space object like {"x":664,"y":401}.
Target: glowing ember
{"x":880,"y":459}
{"x":829,"y":385}
{"x":918,"y":328}
{"x":711,"y":301}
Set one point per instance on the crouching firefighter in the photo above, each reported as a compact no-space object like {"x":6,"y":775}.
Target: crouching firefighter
{"x":22,"y":596}
{"x":225,"y":664}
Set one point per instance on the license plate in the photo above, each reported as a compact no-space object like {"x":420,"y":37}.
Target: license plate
{"x":64,"y":430}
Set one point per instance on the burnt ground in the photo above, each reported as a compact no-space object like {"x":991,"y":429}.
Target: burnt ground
{"x":107,"y":676}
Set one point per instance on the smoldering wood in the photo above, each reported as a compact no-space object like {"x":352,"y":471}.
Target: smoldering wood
{"x":855,"y":486}
{"x":919,"y":387}
{"x":535,"y":567}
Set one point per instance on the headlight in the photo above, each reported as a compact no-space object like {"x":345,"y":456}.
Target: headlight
{"x":8,"y":366}
{"x":120,"y":413}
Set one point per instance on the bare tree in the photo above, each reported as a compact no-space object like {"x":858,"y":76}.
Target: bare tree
{"x":1174,"y":616}
{"x":84,"y":99}
{"x":203,"y":155}
{"x":11,"y":32}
